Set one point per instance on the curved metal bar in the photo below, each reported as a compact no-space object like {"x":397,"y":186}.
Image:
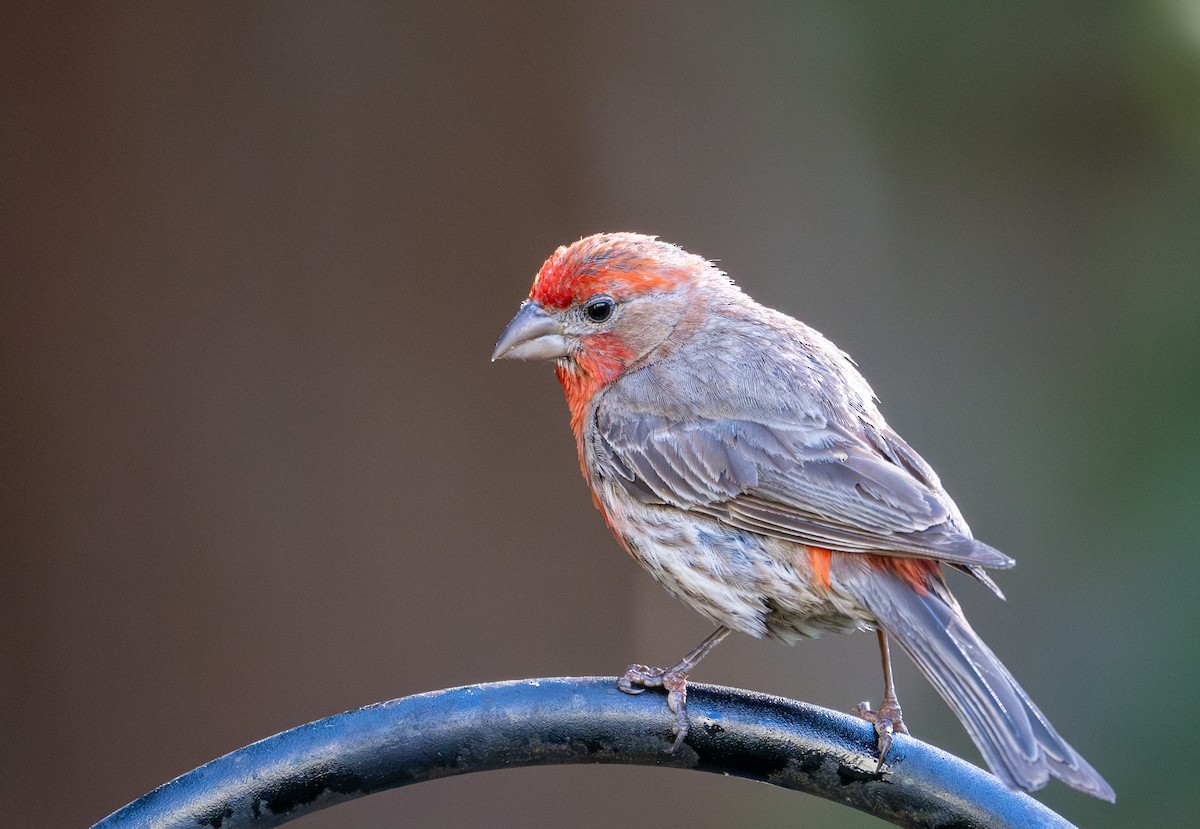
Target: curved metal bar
{"x":579,"y":720}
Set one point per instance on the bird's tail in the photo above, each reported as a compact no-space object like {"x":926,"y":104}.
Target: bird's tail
{"x":1015,"y":738}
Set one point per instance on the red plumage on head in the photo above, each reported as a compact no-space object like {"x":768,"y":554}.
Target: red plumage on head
{"x":619,"y":264}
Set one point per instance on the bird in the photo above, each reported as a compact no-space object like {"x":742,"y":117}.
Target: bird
{"x":741,"y":458}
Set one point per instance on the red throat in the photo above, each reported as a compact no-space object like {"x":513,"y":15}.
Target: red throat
{"x":582,"y":379}
{"x":596,"y":365}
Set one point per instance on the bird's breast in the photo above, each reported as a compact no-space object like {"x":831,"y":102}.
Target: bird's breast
{"x":758,"y":585}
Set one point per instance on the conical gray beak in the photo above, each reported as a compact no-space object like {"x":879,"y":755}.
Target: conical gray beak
{"x":532,"y":335}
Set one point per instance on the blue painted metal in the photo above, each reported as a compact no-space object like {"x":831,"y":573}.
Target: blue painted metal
{"x":580,"y":720}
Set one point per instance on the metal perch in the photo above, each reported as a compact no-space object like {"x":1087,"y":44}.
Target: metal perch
{"x":539,"y":722}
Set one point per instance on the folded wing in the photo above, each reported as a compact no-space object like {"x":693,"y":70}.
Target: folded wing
{"x":806,"y":480}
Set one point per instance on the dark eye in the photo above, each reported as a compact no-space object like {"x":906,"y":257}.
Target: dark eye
{"x":599,"y":308}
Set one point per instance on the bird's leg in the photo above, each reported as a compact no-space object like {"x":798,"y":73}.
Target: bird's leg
{"x":888,"y":719}
{"x":638,"y":678}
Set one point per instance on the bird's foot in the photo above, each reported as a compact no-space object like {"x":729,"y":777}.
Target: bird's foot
{"x":638,"y":678}
{"x":888,"y":720}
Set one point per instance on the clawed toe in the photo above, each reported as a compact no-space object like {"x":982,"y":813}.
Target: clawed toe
{"x":638,"y":678}
{"x":888,"y":720}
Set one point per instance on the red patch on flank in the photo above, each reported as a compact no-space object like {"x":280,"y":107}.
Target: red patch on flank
{"x":820,"y":559}
{"x":917,"y":573}
{"x":623,"y":264}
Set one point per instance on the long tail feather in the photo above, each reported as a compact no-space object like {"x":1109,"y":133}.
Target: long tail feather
{"x":1015,"y":738}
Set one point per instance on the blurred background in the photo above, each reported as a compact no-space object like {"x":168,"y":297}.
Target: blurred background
{"x":257,"y":468}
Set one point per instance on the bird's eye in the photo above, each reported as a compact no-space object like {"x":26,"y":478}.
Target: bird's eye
{"x":599,"y":308}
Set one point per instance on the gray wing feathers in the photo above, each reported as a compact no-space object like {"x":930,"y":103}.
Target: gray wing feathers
{"x":809,"y":481}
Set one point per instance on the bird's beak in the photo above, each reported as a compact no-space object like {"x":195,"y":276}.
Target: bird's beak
{"x":533,"y":334}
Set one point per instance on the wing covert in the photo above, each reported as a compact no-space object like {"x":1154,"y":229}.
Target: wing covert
{"x":807,"y":480}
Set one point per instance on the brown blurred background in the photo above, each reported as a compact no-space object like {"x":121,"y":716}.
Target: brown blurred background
{"x":257,"y":468}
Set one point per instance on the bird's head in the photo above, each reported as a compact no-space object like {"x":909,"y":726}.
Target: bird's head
{"x":602,"y":304}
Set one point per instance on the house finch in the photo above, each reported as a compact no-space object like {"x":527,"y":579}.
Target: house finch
{"x":740,"y":457}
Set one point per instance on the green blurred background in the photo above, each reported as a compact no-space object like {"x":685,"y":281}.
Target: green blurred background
{"x":258,"y":469}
